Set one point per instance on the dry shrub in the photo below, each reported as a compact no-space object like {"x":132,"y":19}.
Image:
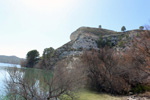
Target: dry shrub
{"x":24,"y":86}
{"x":104,"y":72}
{"x":23,"y":62}
{"x":122,"y":71}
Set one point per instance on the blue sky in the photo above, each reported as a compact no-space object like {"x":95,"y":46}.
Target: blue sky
{"x":37,"y":24}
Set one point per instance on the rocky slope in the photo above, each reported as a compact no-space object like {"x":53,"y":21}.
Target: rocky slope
{"x":85,"y":38}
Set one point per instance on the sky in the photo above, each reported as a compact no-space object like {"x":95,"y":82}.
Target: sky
{"x":37,"y":24}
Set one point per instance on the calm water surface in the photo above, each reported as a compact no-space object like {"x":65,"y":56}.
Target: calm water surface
{"x":38,"y":75}
{"x":4,"y":74}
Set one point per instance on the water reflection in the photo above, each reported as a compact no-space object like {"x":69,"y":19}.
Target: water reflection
{"x":26,"y":82}
{"x":36,"y":84}
{"x":32,"y":77}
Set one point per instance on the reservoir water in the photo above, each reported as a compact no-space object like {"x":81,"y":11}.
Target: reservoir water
{"x":4,"y":74}
{"x":34,"y":77}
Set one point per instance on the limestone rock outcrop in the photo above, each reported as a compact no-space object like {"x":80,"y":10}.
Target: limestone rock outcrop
{"x":85,"y":38}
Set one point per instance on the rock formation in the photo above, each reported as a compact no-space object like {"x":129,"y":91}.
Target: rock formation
{"x":85,"y":38}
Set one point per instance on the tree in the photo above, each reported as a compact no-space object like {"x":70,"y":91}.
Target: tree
{"x":141,"y":27}
{"x":32,"y":58}
{"x":123,"y":28}
{"x":100,"y":26}
{"x":48,"y":52}
{"x":47,"y":56}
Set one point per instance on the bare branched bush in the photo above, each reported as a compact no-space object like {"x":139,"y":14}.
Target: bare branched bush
{"x":120,"y":71}
{"x":139,"y":52}
{"x":137,"y":61}
{"x":103,"y":71}
{"x":23,"y":62}
{"x":60,"y":83}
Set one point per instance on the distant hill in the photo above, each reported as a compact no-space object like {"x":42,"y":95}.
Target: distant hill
{"x":10,"y":59}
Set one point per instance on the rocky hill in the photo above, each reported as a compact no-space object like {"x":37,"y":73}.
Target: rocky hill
{"x":120,"y":69}
{"x":86,"y":38}
{"x":10,"y":59}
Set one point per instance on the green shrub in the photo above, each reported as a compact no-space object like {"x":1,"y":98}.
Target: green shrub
{"x":101,"y":43}
{"x":127,"y":36}
{"x":140,"y":88}
{"x":121,"y":44}
{"x":119,"y":37}
{"x":138,"y":35}
{"x":108,"y":43}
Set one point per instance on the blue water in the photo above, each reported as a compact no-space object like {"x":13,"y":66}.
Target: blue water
{"x":9,"y":65}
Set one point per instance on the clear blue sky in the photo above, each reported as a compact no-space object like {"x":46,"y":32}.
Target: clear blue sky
{"x":38,"y":24}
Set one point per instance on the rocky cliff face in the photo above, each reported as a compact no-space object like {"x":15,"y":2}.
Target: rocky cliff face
{"x":85,"y":38}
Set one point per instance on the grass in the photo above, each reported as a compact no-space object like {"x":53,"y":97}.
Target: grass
{"x":97,"y":31}
{"x":90,"y":95}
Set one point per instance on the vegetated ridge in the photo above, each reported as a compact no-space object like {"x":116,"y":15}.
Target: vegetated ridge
{"x":10,"y":59}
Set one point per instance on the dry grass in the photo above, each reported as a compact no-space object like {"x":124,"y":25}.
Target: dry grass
{"x":90,"y":95}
